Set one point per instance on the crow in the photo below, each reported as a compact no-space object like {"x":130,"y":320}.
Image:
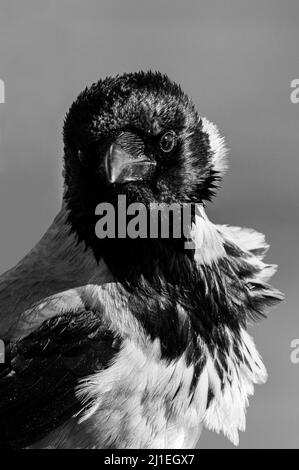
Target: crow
{"x":133,"y":342}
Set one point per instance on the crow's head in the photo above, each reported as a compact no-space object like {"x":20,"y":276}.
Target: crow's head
{"x":137,"y":135}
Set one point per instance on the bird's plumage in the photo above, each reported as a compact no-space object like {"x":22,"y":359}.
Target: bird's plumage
{"x":126,"y":343}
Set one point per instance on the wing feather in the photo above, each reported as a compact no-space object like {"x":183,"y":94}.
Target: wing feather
{"x":42,"y":370}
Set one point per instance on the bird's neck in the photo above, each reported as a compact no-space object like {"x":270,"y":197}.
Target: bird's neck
{"x":178,"y":294}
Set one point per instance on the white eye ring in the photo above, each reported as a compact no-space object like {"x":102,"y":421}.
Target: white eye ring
{"x":168,"y":141}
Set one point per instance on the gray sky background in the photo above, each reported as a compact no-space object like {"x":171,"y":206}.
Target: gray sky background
{"x":236,"y":59}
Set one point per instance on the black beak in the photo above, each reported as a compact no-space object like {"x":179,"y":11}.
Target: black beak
{"x":122,"y":167}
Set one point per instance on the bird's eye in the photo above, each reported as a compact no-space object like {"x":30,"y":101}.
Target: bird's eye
{"x":168,"y":141}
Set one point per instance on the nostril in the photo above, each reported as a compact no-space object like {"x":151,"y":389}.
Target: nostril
{"x":131,"y":143}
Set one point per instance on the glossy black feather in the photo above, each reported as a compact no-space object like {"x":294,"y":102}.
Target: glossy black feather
{"x":38,"y":389}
